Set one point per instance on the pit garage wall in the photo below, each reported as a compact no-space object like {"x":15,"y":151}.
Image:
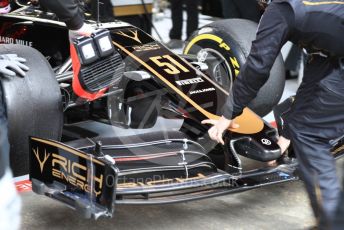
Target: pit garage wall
{"x":133,"y":12}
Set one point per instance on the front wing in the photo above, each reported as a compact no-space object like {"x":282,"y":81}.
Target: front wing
{"x":93,"y":184}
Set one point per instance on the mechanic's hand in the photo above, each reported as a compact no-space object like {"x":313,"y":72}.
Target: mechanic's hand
{"x":219,"y":127}
{"x":10,"y":64}
{"x":85,"y":30}
{"x":283,"y":143}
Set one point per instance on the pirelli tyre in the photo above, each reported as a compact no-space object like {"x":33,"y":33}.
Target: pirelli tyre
{"x":224,"y":45}
{"x":33,"y":106}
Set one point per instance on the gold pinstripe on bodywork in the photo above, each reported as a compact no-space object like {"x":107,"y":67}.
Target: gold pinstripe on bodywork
{"x":249,"y":122}
{"x":68,"y":149}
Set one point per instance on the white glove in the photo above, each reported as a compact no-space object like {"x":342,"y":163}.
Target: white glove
{"x":85,"y":30}
{"x":6,"y":9}
{"x":10,"y":64}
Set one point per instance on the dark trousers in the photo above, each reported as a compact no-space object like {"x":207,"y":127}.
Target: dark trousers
{"x":316,"y":117}
{"x":177,"y":17}
{"x":246,"y":9}
{"x":339,"y":218}
{"x":4,"y":145}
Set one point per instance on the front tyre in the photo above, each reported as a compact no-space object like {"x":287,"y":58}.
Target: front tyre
{"x":33,"y":105}
{"x":225,"y":45}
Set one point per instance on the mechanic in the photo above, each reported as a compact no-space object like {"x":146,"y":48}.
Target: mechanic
{"x":317,"y":114}
{"x":10,"y":64}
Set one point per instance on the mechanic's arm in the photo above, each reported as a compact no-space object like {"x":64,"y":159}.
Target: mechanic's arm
{"x":273,"y":33}
{"x":67,"y":11}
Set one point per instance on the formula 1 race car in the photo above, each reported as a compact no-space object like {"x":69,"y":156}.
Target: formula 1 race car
{"x":118,"y":121}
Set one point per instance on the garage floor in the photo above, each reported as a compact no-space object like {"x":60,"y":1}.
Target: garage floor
{"x":279,"y":207}
{"x":283,"y":206}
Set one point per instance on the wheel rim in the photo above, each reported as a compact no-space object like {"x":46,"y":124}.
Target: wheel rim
{"x":219,"y":68}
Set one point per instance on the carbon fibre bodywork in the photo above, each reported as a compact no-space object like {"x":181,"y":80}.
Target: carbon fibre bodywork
{"x":93,"y":179}
{"x":94,"y":174}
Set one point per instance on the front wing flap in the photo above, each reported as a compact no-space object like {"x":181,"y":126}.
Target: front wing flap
{"x":90,"y":184}
{"x":82,"y":181}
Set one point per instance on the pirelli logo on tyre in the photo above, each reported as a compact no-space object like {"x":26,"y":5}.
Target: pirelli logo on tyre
{"x":195,"y":43}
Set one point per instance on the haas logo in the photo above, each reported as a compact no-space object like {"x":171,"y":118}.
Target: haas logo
{"x":266,"y":141}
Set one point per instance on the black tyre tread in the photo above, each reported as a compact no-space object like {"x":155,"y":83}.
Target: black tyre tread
{"x":238,"y":29}
{"x":33,"y":105}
